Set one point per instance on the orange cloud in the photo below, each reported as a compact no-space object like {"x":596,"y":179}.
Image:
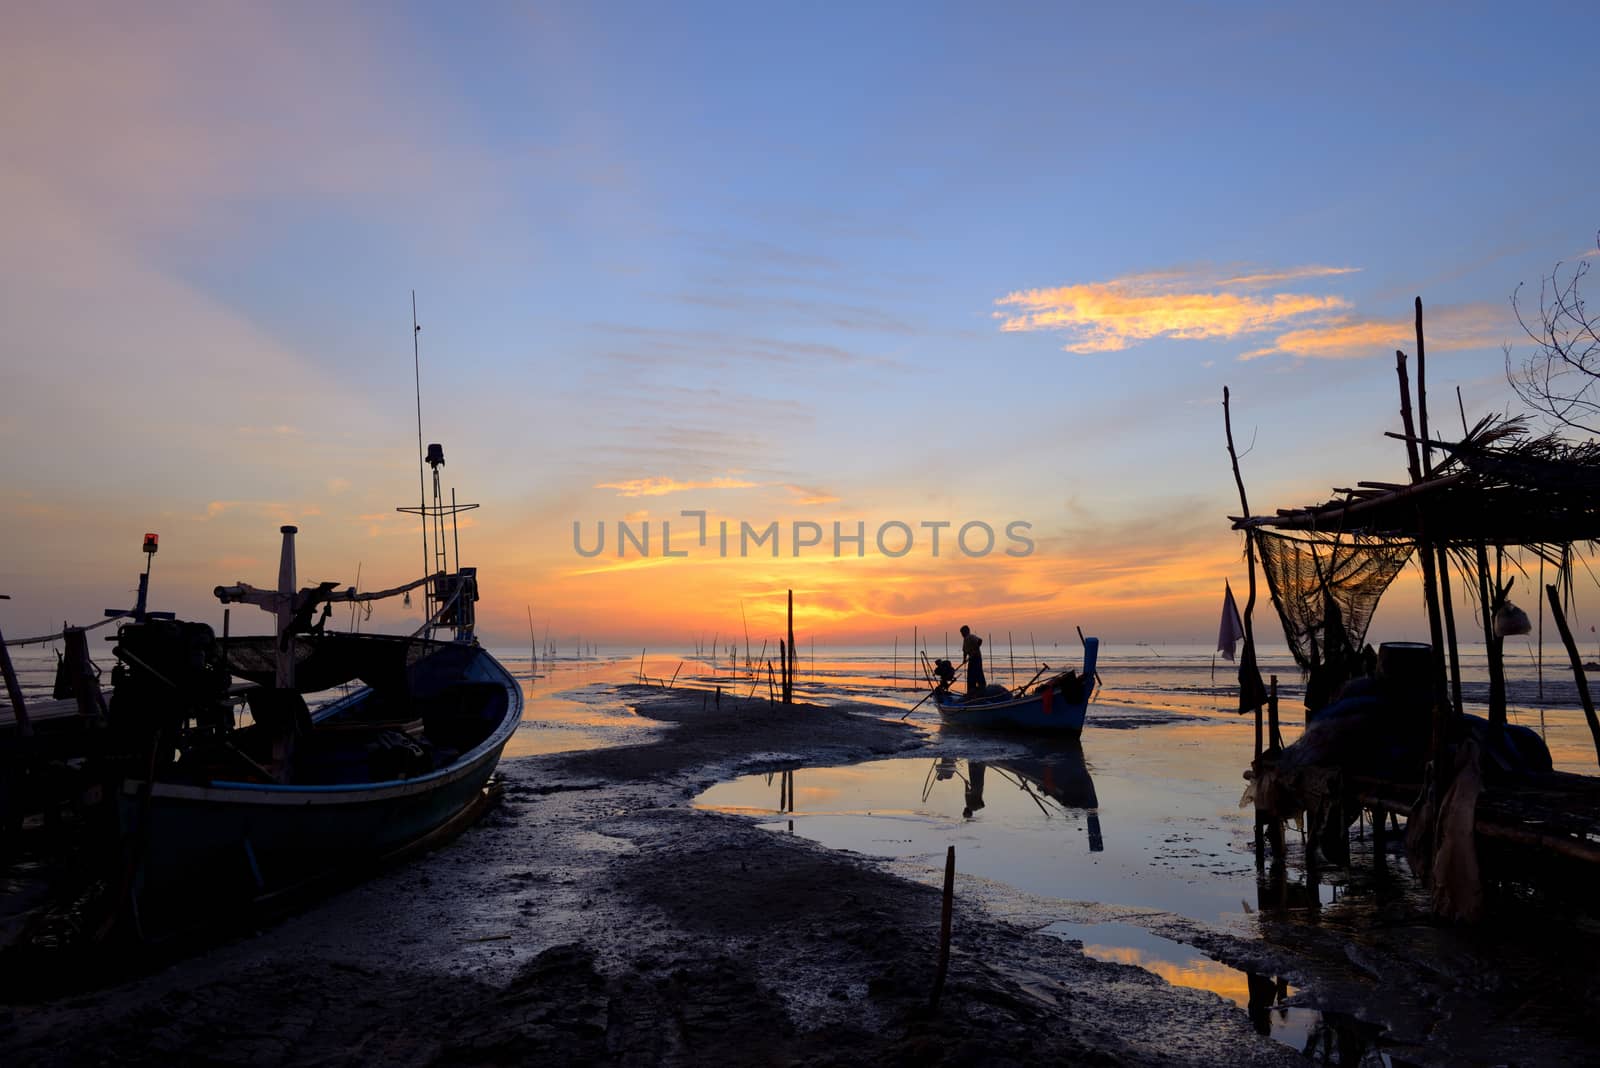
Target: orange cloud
{"x":1188,"y":304}
{"x":811,"y":495}
{"x":660,"y":486}
{"x":1469,"y":326}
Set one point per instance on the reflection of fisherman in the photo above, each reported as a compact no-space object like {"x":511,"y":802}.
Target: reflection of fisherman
{"x":972,"y":649}
{"x":974,"y":798}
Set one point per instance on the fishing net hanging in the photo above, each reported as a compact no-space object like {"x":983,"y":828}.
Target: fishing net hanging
{"x":1326,"y":589}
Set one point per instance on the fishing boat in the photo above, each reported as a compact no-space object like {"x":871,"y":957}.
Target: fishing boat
{"x":235,"y":790}
{"x":1057,"y":705}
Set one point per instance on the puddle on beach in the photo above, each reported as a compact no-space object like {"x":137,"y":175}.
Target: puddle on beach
{"x":1061,"y":823}
{"x":1142,"y":819}
{"x":1183,"y":965}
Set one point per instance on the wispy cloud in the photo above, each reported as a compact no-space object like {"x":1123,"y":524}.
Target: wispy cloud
{"x":1466,"y":326}
{"x":811,"y":494}
{"x":1290,"y":274}
{"x":1189,"y":303}
{"x":660,"y":486}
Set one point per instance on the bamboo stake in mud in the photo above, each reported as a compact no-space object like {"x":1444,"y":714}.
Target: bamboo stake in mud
{"x":897,"y":659}
{"x":788,"y":685}
{"x":1578,"y":676}
{"x":641,"y":665}
{"x":944,"y":926}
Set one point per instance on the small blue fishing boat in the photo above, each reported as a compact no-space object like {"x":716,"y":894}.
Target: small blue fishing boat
{"x":1056,"y":706}
{"x":241,"y":791}
{"x":369,"y":774}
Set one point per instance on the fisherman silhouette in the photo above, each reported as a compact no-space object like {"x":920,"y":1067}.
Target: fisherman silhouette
{"x":972,"y":649}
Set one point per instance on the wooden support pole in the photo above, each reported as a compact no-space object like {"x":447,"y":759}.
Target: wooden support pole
{"x":944,"y":926}
{"x":1257,"y":762}
{"x":1430,"y":583}
{"x":1380,"y":837}
{"x":1489,"y":595}
{"x":1273,"y":734}
{"x":1249,"y":656}
{"x":1578,"y":676}
{"x":19,"y":708}
{"x":1422,"y":394}
{"x":1450,"y":627}
{"x":1442,"y":563}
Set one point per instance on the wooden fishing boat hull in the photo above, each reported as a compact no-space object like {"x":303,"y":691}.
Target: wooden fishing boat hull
{"x":1042,"y":712}
{"x":228,"y":840}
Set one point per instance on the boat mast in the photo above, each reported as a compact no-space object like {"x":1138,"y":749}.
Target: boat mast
{"x":422,"y":490}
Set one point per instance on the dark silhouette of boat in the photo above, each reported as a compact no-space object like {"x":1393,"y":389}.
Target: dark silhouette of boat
{"x":1056,"y":706}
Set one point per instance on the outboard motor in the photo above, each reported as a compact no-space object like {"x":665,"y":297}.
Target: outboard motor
{"x":945,"y":672}
{"x":168,"y":673}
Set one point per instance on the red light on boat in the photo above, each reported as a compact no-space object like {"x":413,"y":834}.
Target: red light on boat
{"x":150,"y":541}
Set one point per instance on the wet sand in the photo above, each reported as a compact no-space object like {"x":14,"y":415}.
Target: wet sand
{"x":595,"y":917}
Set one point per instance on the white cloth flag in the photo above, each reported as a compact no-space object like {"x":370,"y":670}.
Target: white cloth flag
{"x":1232,"y":630}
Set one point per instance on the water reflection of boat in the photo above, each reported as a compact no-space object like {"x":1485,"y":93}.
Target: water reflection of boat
{"x":1056,"y":706}
{"x":1057,"y":780}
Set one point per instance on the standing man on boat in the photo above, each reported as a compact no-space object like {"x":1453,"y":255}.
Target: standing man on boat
{"x":972,"y":649}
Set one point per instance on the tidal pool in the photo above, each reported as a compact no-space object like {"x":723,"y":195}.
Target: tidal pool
{"x":1130,"y":821}
{"x":1053,"y":822}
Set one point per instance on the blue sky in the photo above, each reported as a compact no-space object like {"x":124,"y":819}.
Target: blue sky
{"x":755,"y":244}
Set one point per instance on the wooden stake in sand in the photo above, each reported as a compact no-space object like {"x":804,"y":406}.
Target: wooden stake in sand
{"x":1582,"y":680}
{"x":789,"y":659}
{"x":944,"y":926}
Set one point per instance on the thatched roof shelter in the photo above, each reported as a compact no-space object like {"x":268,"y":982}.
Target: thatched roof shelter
{"x":1497,"y":487}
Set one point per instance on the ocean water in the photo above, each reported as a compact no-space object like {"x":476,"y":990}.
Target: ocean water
{"x":568,"y":702}
{"x":1140,"y":684}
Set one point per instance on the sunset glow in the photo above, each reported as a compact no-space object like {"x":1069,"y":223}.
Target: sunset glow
{"x":772,"y":273}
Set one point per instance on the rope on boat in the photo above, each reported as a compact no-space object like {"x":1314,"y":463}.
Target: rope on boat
{"x":43,"y":638}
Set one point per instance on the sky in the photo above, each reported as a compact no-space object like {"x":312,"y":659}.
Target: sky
{"x":856,"y":264}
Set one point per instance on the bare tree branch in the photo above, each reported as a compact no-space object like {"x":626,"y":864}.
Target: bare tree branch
{"x":1560,"y":379}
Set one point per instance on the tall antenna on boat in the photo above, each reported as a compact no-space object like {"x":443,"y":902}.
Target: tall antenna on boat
{"x":422,"y":490}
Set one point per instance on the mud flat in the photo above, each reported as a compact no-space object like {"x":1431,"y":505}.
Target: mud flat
{"x":595,"y":917}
